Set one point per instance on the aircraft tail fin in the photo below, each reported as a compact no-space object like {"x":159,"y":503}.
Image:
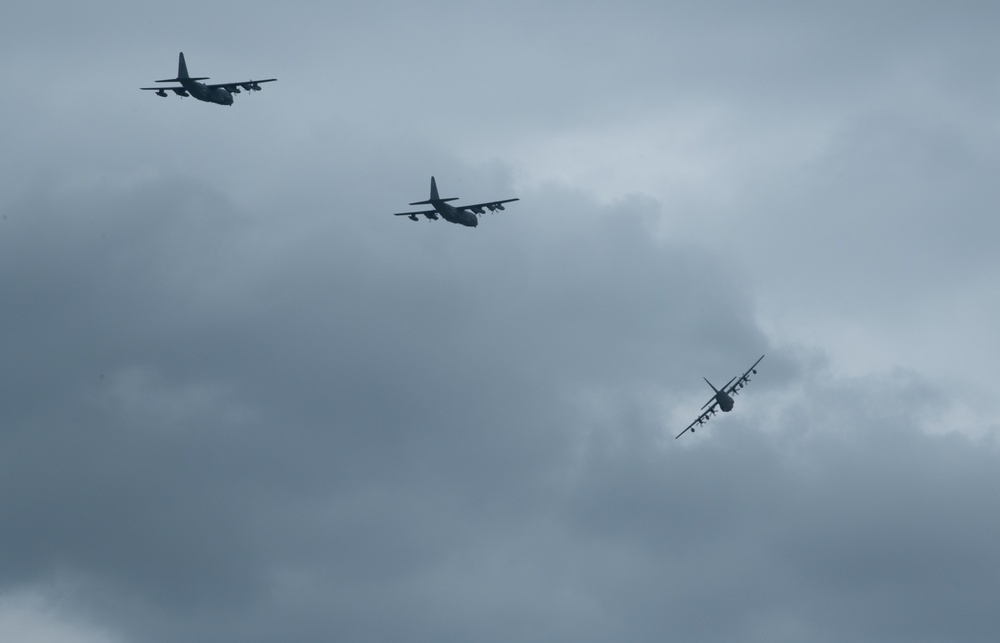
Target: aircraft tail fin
{"x":434,"y":195}
{"x":713,"y":398}
{"x":182,"y":72}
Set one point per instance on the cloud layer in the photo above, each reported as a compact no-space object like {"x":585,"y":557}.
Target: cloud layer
{"x":242,"y":403}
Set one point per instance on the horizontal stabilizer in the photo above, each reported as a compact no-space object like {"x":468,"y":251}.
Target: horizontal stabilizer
{"x":431,"y":201}
{"x":177,"y":80}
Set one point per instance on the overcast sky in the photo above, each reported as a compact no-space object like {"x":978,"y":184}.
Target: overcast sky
{"x":240,"y":403}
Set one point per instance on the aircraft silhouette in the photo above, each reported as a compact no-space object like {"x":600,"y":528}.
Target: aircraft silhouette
{"x":221,"y":93}
{"x":466,"y":215}
{"x":723,"y":397}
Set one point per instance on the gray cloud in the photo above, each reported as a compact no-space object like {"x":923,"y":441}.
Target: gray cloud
{"x":242,"y":403}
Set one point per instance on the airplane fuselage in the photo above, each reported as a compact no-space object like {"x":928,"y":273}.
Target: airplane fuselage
{"x":723,"y":399}
{"x":450,"y":213}
{"x":201,"y":91}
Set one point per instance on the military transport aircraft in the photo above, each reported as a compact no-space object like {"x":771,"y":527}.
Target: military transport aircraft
{"x":723,"y":397}
{"x":221,"y":93}
{"x":463,"y":214}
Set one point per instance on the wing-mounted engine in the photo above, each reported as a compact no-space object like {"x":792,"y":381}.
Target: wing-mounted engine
{"x":180,"y":91}
{"x":432,"y":216}
{"x":413,"y":217}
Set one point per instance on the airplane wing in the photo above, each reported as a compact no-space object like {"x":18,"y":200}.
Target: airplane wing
{"x":704,"y":417}
{"x":479,"y":208}
{"x":744,"y":379}
{"x":430,"y":214}
{"x":249,"y":85}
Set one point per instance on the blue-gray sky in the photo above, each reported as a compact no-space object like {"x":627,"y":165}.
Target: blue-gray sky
{"x":241,"y":403}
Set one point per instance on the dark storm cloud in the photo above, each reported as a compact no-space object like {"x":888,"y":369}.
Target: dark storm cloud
{"x":159,"y":416}
{"x":396,"y":428}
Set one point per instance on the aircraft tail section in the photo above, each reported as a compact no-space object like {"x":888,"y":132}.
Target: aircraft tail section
{"x":182,"y":72}
{"x":434,"y":195}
